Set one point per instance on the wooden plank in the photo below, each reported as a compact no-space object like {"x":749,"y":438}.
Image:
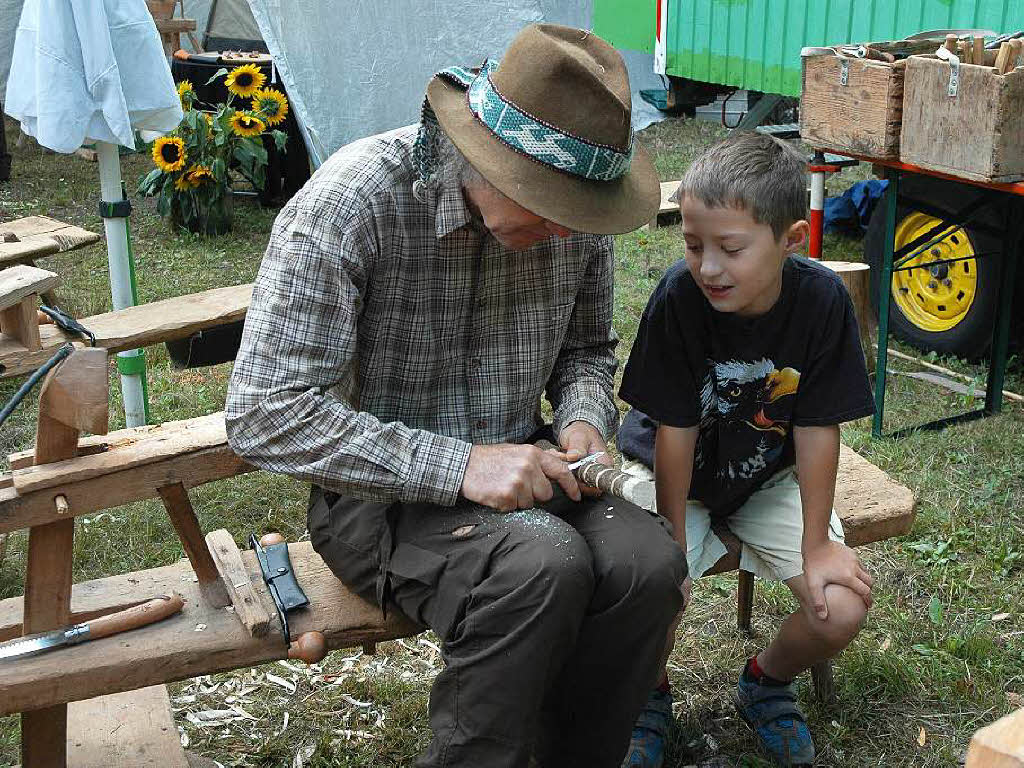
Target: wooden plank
{"x":22,"y":281}
{"x":134,"y":729}
{"x":175,"y":26}
{"x":24,"y":510}
{"x":183,"y":518}
{"x":250,"y":610}
{"x":999,"y":745}
{"x":174,"y":650}
{"x":31,"y":237}
{"x":156,"y":445}
{"x":136,"y":327}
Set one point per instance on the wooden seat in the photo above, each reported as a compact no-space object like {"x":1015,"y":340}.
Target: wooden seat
{"x":32,"y":237}
{"x":20,"y":288}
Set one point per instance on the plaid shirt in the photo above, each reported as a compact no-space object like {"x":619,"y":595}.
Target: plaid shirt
{"x":385,"y":336}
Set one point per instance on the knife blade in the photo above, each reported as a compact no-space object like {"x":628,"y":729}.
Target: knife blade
{"x":122,"y":621}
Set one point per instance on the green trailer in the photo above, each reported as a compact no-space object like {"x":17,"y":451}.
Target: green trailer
{"x":706,"y":46}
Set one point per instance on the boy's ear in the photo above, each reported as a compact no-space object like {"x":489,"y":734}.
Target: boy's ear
{"x":797,"y":236}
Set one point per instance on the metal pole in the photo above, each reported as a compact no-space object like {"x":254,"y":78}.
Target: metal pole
{"x":817,"y":209}
{"x":884,"y":296}
{"x":1001,"y":327}
{"x":131,"y":364}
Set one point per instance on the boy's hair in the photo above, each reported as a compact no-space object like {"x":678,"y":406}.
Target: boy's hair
{"x":754,"y":172}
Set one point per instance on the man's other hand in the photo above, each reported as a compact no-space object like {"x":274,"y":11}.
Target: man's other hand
{"x":508,"y":477}
{"x":580,"y":439}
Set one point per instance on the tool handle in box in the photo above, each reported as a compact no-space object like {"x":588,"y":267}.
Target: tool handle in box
{"x":137,"y":616}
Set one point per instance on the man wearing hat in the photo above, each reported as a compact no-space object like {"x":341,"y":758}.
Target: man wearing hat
{"x":417,"y":299}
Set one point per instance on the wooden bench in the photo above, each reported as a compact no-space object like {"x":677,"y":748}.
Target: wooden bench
{"x":135,"y":327}
{"x":32,"y":237}
{"x":132,"y":464}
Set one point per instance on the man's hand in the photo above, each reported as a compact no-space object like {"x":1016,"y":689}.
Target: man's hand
{"x":580,"y":439}
{"x":833,"y":563}
{"x":508,"y":477}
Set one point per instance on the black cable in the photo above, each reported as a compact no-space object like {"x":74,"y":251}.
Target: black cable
{"x":64,"y":351}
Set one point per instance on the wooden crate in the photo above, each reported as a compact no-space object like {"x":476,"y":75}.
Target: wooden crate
{"x":861,"y":116}
{"x":977,"y":134}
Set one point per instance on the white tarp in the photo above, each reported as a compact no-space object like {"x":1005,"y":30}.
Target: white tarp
{"x":87,"y":70}
{"x":359,"y":67}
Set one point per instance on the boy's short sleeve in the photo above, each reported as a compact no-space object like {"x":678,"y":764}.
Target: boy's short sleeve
{"x":834,"y":383}
{"x":659,"y":378}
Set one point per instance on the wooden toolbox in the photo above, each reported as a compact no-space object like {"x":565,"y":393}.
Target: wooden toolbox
{"x":973,"y":128}
{"x":851,"y":104}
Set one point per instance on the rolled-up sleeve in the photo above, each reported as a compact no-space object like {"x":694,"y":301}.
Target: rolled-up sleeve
{"x":299,"y":351}
{"x":580,"y":387}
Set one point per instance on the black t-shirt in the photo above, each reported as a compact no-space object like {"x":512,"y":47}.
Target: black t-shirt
{"x":744,"y":381}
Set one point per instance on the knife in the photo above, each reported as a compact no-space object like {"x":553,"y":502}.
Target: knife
{"x":131,"y":618}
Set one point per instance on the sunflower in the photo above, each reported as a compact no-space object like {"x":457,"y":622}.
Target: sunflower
{"x":186,"y":93}
{"x":245,"y":124}
{"x":245,"y":80}
{"x":182,"y":183}
{"x":199,"y":174}
{"x":169,"y":153}
{"x":271,"y":104}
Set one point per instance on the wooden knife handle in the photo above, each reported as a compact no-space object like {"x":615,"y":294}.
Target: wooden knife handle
{"x":137,"y":616}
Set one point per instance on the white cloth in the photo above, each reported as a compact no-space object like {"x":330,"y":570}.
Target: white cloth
{"x":89,"y":70}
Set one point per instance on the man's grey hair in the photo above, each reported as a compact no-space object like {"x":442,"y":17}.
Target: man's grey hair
{"x":453,"y":167}
{"x":762,"y":175}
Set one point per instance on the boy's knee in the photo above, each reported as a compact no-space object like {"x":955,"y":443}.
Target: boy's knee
{"x":846,"y":615}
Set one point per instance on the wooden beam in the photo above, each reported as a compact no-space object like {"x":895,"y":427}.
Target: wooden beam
{"x":153,"y":446}
{"x":183,"y":518}
{"x":136,"y":327}
{"x":250,"y":610}
{"x":202,"y":640}
{"x":999,"y":745}
{"x":125,"y":729}
{"x":68,"y":401}
{"x":21,"y":323}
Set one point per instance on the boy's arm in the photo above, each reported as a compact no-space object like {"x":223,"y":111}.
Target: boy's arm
{"x":825,"y":561}
{"x":673,"y":469}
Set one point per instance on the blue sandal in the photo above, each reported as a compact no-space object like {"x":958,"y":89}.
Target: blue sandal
{"x":650,"y":732}
{"x":772,"y":711}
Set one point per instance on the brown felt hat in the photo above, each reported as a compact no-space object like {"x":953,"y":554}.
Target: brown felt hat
{"x":574,"y":82}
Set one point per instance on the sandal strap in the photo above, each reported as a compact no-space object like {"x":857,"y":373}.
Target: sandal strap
{"x":772,"y":703}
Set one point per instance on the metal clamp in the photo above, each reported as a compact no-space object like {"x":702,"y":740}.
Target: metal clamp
{"x":120,"y":209}
{"x":954,"y":69}
{"x":844,"y":71}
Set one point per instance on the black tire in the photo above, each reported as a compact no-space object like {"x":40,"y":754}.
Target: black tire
{"x":971,"y":337}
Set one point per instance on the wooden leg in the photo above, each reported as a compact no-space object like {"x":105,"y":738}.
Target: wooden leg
{"x":21,"y":322}
{"x":47,"y":606}
{"x":745,"y":599}
{"x":824,"y":686}
{"x":183,"y":517}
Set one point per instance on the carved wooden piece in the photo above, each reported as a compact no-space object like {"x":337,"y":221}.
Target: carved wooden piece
{"x":22,"y":281}
{"x":250,"y":610}
{"x":20,"y":323}
{"x":135,"y":327}
{"x":977,"y":134}
{"x":863,"y":116}
{"x":1000,"y":745}
{"x":173,"y":649}
{"x":183,"y":517}
{"x":73,"y":398}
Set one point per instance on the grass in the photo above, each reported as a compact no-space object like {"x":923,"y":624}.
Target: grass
{"x":937,"y":660}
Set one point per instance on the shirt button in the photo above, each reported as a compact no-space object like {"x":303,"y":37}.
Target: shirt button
{"x":480,"y":423}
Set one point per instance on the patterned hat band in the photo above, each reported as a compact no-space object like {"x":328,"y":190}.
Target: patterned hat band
{"x":531,"y":136}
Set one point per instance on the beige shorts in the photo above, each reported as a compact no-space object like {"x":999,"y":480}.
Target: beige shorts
{"x":770,"y":524}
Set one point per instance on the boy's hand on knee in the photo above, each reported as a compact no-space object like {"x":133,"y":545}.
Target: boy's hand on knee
{"x":834,"y":563}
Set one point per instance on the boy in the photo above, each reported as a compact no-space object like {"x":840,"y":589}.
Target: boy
{"x":746,"y":361}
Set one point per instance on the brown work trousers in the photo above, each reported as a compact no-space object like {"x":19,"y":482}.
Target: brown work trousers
{"x":553,"y":621}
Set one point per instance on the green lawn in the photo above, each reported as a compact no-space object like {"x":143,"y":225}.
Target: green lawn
{"x":942,"y":654}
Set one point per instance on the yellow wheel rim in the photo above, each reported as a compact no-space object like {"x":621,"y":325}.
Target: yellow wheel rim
{"x":935,"y":298}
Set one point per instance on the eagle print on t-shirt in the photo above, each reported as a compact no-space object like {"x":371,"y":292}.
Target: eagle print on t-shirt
{"x":744,"y":420}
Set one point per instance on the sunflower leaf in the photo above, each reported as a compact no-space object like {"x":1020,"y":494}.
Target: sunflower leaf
{"x":148,"y":184}
{"x":219,"y":170}
{"x":218,"y":73}
{"x":280,"y":140}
